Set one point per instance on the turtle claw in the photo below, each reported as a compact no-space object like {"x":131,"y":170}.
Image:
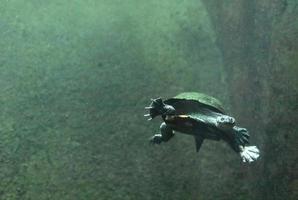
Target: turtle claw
{"x":148,"y":108}
{"x":148,"y":115}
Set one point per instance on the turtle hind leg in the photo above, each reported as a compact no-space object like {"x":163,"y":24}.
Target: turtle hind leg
{"x":166,"y":133}
{"x":241,"y":137}
{"x":237,"y":137}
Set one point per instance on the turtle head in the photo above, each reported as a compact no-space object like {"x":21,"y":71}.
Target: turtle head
{"x":158,"y":107}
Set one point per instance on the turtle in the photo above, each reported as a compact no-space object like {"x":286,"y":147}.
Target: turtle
{"x":203,"y":117}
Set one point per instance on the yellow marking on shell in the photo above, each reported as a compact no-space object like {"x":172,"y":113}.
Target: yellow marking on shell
{"x":183,"y":116}
{"x":173,"y":117}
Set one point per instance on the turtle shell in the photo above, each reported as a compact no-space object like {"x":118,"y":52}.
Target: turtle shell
{"x":189,"y":102}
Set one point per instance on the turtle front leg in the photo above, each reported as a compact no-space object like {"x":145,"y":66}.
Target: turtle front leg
{"x":166,"y":133}
{"x":158,"y":107}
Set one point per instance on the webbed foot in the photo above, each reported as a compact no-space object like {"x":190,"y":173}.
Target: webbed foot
{"x":249,"y":153}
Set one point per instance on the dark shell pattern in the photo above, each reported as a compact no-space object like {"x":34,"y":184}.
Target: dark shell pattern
{"x":193,"y":102}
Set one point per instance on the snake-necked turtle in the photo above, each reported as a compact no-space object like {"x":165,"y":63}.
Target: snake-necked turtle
{"x":203,"y":117}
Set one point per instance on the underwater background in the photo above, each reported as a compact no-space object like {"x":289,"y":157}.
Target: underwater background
{"x":75,"y":76}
